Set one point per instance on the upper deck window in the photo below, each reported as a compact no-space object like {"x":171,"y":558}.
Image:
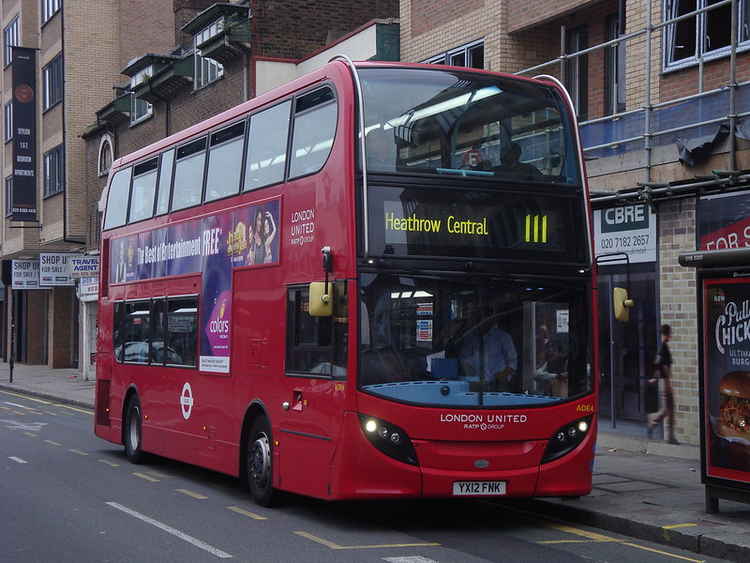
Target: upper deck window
{"x":117,"y":200}
{"x":314,"y":128}
{"x":165,"y":182}
{"x":144,"y":189}
{"x":454,"y":123}
{"x":225,"y":162}
{"x":188,"y":175}
{"x":266,"y":151}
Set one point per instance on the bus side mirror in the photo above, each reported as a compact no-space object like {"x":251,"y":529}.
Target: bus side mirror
{"x":621,"y":304}
{"x":321,"y":300}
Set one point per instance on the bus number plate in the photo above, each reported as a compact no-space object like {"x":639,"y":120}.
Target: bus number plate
{"x":478,"y":488}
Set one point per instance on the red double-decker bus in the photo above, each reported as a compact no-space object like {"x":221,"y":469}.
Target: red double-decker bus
{"x":375,"y":281}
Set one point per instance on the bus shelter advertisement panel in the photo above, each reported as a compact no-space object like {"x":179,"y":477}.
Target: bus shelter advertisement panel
{"x":212,"y":245}
{"x":726,"y":378}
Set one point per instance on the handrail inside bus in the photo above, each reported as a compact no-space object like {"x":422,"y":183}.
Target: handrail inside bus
{"x":571,"y":106}
{"x":361,"y":109}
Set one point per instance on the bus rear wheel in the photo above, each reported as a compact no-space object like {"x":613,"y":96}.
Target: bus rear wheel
{"x":133,"y":431}
{"x":259,"y":463}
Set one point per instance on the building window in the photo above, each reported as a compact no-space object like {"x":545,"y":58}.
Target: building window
{"x":614,"y":69}
{"x":470,"y":55}
{"x":207,"y":70}
{"x":50,"y":8}
{"x":8,"y":122}
{"x":8,"y":196}
{"x":140,"y":109}
{"x":52,"y":76}
{"x":576,"y":70}
{"x":54,"y":171}
{"x":10,"y":39}
{"x":705,"y":34}
{"x":105,"y":156}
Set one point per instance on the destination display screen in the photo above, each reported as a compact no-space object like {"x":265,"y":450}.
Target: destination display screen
{"x":475,"y":224}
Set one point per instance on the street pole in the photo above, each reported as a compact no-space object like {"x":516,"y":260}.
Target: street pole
{"x":11,"y":356}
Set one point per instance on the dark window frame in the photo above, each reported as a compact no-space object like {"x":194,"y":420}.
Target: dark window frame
{"x":53,"y":83}
{"x":452,"y":56}
{"x":53,"y":171}
{"x":10,"y":39}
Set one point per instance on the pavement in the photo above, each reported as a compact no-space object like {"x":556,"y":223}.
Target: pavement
{"x":643,"y":488}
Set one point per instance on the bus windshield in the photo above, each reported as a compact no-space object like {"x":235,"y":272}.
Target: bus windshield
{"x":453,"y":123}
{"x":472,"y":343}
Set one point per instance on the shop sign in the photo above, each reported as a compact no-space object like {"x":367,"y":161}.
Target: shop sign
{"x":56,"y":269}
{"x":630,"y":229}
{"x":84,"y":266}
{"x":25,"y":274}
{"x":724,"y":221}
{"x":88,"y":289}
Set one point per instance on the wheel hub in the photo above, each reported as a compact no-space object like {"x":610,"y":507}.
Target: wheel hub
{"x":260,"y":461}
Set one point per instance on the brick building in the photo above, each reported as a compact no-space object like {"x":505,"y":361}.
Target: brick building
{"x":77,"y":48}
{"x":216,"y":56}
{"x":662,"y":108}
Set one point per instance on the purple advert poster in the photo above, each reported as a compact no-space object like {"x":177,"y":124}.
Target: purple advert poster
{"x":212,"y":245}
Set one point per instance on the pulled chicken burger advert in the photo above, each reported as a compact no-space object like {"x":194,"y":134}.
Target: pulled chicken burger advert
{"x":727,"y":374}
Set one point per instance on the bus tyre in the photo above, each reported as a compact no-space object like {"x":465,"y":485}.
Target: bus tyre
{"x":259,"y":462}
{"x":133,"y":431}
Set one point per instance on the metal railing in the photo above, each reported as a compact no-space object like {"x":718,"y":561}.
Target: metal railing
{"x":649,"y":109}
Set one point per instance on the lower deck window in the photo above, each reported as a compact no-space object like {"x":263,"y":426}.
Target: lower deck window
{"x":159,"y":331}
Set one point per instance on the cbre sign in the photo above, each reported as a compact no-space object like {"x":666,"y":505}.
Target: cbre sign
{"x":630,"y":229}
{"x":23,"y":193}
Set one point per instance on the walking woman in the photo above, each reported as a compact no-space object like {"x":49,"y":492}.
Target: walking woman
{"x":663,"y":371}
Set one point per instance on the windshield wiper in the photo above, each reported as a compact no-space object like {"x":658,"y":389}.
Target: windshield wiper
{"x":461,"y":172}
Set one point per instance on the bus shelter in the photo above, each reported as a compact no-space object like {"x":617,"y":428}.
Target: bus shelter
{"x":723,"y":293}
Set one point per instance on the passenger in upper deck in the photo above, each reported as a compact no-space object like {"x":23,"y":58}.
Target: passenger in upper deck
{"x":512,"y":164}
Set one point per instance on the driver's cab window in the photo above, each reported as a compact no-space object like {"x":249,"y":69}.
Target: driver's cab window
{"x":316,"y":345}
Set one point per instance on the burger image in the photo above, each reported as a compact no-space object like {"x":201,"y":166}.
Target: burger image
{"x":734,"y":412}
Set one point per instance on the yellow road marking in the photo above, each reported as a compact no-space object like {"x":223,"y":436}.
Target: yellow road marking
{"x":548,"y":542}
{"x":583,"y":533}
{"x":192,"y":494}
{"x":332,"y":545}
{"x":157,"y":474}
{"x":244,"y":512}
{"x":53,"y":442}
{"x":146,"y":477}
{"x":111,"y":464}
{"x":660,"y":552}
{"x":4,"y":408}
{"x":685,"y":525}
{"x":50,"y":413}
{"x":27,"y":397}
{"x":19,"y":413}
{"x":75,"y":451}
{"x":31,"y":434}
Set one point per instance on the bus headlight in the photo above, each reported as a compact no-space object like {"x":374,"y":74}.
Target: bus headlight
{"x":389,"y":439}
{"x":566,"y":439}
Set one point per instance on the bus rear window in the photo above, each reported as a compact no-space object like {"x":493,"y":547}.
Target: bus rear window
{"x":117,"y":200}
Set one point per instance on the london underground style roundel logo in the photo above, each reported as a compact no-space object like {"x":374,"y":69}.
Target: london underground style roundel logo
{"x":186,"y":401}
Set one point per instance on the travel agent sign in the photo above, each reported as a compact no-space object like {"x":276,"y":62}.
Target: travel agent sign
{"x":630,"y":229}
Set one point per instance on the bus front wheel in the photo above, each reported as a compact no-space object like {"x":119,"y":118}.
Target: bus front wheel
{"x":133,"y":431}
{"x":259,"y":463}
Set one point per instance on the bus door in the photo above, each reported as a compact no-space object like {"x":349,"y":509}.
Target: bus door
{"x":314,"y":383}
